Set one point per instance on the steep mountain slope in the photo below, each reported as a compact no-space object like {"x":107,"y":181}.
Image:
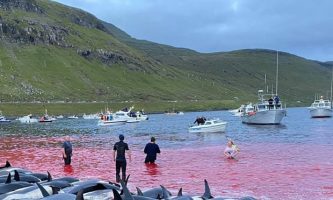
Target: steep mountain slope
{"x":244,"y":70}
{"x":49,"y":51}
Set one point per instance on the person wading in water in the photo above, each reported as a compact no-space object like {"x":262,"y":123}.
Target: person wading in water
{"x":67,"y":151}
{"x":151,"y":149}
{"x":119,"y":151}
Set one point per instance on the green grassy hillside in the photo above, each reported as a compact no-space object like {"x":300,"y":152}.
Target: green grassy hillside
{"x":51,"y":52}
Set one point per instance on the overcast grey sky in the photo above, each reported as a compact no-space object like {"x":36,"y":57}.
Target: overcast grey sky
{"x":301,"y":27}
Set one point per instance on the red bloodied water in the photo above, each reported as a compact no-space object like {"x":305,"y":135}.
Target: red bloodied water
{"x":262,"y":170}
{"x":293,"y":161}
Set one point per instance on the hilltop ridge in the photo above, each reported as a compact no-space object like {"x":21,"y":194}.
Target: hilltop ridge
{"x":52,"y":52}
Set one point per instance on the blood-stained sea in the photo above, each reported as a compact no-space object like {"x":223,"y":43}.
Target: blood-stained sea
{"x":293,"y":160}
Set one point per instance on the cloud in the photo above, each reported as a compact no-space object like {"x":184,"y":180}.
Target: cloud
{"x":300,"y":27}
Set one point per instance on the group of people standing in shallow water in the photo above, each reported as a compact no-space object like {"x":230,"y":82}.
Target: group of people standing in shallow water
{"x":120,"y":149}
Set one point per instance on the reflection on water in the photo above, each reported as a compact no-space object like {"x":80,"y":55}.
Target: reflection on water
{"x":292,"y":160}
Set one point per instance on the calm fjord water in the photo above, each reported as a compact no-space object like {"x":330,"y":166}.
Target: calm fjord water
{"x":293,"y":160}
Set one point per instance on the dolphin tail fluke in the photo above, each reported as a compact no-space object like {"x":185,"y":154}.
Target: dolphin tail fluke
{"x":43,"y":191}
{"x":165,"y":193}
{"x":116,"y":195}
{"x":49,"y":177}
{"x":180,"y":192}
{"x":207,"y":194}
{"x":8,"y":164}
{"x":9,"y":178}
{"x":140,"y":193}
{"x":127,"y":194}
{"x":16,"y":175}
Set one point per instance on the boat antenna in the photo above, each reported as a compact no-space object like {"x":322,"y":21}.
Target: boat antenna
{"x":331,"y":86}
{"x":277,"y":72}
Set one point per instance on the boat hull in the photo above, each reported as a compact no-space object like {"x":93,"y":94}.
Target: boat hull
{"x":269,"y":117}
{"x":110,"y":123}
{"x":209,"y":128}
{"x":27,"y":120}
{"x":320,"y":112}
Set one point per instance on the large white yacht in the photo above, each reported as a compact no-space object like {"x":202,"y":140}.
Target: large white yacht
{"x":321,"y":108}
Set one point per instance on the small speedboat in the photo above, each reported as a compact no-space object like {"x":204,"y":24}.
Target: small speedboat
{"x":141,"y":115}
{"x":210,"y":126}
{"x":3,"y":118}
{"x":45,"y":119}
{"x":28,"y":119}
{"x":60,"y":117}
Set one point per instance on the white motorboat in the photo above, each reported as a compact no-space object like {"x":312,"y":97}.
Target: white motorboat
{"x":60,"y":117}
{"x":321,"y":108}
{"x":28,"y":119}
{"x":141,"y":115}
{"x":263,"y":112}
{"x":110,"y":120}
{"x":237,"y":112}
{"x":129,"y":116}
{"x":3,"y":119}
{"x":210,"y":126}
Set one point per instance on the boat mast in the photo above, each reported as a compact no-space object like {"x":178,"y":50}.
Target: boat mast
{"x":331,"y":87}
{"x":277,"y":72}
{"x":266,"y":86}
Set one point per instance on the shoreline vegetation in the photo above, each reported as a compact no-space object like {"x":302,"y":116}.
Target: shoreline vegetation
{"x":80,"y":108}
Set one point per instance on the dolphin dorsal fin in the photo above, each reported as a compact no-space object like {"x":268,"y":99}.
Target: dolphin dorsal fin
{"x":165,"y":192}
{"x":140,"y":193}
{"x":126,"y":181}
{"x":16,"y":175}
{"x":180,"y":192}
{"x":127,"y":194}
{"x":9,"y":178}
{"x":8,"y":164}
{"x":43,"y":191}
{"x":79,"y":195}
{"x":49,"y":177}
{"x":116,"y":195}
{"x":207,"y":194}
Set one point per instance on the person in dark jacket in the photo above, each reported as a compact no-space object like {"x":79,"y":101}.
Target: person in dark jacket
{"x":151,"y":149}
{"x":67,"y":151}
{"x":119,"y":151}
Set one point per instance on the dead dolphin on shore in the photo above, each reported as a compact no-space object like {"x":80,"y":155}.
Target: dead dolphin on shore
{"x":31,"y":192}
{"x":10,"y":186}
{"x":6,"y":165}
